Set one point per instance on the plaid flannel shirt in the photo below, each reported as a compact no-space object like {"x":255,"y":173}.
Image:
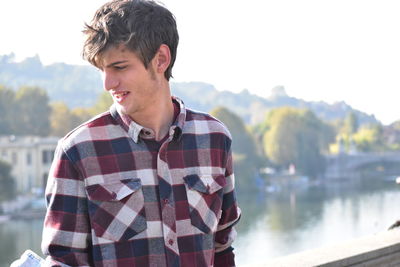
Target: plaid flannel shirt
{"x":115,"y":199}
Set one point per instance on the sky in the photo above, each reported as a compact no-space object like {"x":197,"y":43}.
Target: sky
{"x":319,"y":50}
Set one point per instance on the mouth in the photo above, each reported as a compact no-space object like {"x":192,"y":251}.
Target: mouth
{"x":120,"y":96}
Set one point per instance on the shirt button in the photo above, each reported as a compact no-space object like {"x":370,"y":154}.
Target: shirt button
{"x":171,"y":242}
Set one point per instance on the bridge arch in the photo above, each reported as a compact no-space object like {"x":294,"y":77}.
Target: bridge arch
{"x":345,"y":165}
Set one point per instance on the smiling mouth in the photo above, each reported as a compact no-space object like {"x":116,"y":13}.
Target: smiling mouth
{"x":120,"y":96}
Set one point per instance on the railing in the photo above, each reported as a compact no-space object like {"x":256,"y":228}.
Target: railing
{"x":382,"y":249}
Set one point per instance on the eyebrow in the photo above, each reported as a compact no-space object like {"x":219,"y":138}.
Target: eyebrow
{"x":116,"y":63}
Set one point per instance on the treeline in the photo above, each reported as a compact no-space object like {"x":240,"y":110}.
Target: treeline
{"x":62,"y":82}
{"x":286,"y":136}
{"x":24,"y":112}
{"x":28,"y":111}
{"x":294,"y":137}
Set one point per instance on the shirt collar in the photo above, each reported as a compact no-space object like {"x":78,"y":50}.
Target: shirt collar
{"x":177,"y":127}
{"x":134,"y":129}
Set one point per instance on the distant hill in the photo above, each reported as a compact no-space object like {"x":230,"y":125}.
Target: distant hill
{"x":80,"y":86}
{"x":75,"y":85}
{"x":252,"y":108}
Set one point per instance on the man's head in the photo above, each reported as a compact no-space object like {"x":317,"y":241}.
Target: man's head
{"x":141,"y":25}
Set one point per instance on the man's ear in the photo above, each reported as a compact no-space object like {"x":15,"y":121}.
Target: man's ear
{"x":162,"y":59}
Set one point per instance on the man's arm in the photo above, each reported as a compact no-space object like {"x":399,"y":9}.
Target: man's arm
{"x":226,"y":233}
{"x":66,"y":227}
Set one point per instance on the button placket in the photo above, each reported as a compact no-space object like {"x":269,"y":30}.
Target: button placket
{"x":168,"y":212}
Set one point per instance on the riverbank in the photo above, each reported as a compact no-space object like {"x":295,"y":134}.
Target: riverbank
{"x":24,"y":207}
{"x":4,"y":218}
{"x":28,"y":215}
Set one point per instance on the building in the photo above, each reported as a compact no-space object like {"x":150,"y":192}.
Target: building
{"x":30,"y":158}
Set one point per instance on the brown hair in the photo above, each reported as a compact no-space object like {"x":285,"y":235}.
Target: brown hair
{"x":141,"y":25}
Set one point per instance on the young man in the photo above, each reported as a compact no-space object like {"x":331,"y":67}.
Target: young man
{"x":150,"y":182}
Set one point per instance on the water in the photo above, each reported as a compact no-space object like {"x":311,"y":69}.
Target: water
{"x":295,"y":220}
{"x":16,"y":237}
{"x":274,"y":224}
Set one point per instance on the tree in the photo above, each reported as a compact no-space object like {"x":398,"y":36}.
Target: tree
{"x":7,"y":106}
{"x":81,"y":115}
{"x":33,"y":111}
{"x":297,"y":137}
{"x":245,"y":156}
{"x":62,"y":120}
{"x":350,"y":123}
{"x":103,"y":103}
{"x":346,"y":129}
{"x":243,"y":142}
{"x":280,"y":139}
{"x":7,"y":183}
{"x":370,"y":138}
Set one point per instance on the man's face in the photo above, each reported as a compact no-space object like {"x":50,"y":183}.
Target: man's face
{"x":132,"y":87}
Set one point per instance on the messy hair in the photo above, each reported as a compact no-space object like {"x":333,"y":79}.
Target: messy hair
{"x":141,"y":25}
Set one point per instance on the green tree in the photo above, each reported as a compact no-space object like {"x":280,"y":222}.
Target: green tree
{"x":7,"y":183}
{"x":62,"y":120}
{"x":350,"y":123}
{"x":370,"y":138}
{"x":7,"y":106}
{"x":103,"y":103}
{"x":81,"y":115}
{"x":297,"y":137}
{"x":346,"y":129}
{"x":245,"y":156}
{"x":33,"y":111}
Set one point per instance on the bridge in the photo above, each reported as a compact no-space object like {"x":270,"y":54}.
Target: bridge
{"x":347,"y":165}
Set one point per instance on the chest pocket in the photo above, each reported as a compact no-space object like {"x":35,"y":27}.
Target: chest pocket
{"x":116,"y":209}
{"x":204,"y":194}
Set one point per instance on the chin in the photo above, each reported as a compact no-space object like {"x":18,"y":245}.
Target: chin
{"x":121,"y":109}
{"x":126,"y":110}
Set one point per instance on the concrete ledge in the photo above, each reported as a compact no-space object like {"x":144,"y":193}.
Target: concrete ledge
{"x":382,"y":249}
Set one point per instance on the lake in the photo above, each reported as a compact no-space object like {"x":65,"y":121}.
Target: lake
{"x":275,"y":223}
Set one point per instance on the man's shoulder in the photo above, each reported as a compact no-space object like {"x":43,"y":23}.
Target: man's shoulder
{"x":88,"y":130}
{"x":202,"y":122}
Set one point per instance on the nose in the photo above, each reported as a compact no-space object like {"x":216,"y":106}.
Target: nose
{"x":110,"y":81}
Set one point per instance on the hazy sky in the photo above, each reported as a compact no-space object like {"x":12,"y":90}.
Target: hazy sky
{"x":329,"y":50}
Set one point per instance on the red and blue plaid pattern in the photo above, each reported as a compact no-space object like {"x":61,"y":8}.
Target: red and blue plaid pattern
{"x":116,"y":197}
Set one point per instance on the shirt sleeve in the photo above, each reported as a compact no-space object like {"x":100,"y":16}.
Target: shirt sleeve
{"x":226,"y":232}
{"x":66,"y":232}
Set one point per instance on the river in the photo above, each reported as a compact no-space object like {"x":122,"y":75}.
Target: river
{"x":276,"y":223}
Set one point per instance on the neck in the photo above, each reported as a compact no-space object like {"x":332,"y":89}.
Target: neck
{"x":158,"y":116}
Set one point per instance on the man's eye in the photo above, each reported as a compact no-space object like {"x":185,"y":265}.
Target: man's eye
{"x":119,"y":67}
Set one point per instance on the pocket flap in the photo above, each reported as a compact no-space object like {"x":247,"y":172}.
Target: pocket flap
{"x":113,"y":191}
{"x":207,"y":184}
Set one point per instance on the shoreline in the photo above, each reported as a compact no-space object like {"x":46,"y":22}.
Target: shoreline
{"x":23,"y":215}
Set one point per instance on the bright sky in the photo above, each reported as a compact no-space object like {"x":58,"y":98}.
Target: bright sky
{"x":329,"y":50}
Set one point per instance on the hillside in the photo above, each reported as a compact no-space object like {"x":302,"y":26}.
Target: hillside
{"x":76,"y":85}
{"x":80,"y":85}
{"x":252,"y":108}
